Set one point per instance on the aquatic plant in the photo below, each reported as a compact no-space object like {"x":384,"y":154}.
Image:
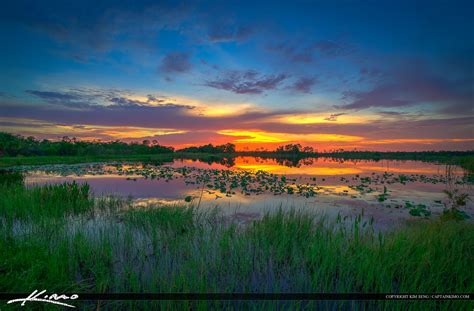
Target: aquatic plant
{"x":456,"y":201}
{"x":178,"y":249}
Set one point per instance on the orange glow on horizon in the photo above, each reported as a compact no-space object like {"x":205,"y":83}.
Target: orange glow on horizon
{"x":275,"y":137}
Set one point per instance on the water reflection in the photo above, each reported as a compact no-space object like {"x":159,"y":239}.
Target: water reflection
{"x":252,"y":184}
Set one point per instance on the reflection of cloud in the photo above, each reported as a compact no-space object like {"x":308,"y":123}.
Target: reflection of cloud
{"x":270,"y":165}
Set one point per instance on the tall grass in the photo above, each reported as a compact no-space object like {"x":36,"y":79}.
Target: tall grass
{"x":180,"y":249}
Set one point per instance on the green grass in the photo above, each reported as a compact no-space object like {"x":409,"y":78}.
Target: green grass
{"x":43,"y":160}
{"x":60,"y":239}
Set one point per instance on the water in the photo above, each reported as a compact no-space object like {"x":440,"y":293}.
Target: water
{"x":246,"y":187}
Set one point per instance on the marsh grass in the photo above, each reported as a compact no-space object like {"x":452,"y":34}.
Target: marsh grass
{"x":62,"y":239}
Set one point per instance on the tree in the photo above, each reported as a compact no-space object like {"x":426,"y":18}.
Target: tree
{"x":308,"y":149}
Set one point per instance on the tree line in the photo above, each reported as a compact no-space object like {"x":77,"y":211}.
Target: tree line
{"x":17,"y":145}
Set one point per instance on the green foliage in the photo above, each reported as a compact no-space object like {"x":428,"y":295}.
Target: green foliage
{"x":43,"y":202}
{"x":420,"y":210}
{"x":456,"y":201}
{"x":178,"y":249}
{"x":14,"y":145}
{"x":209,"y":148}
{"x":8,"y":178}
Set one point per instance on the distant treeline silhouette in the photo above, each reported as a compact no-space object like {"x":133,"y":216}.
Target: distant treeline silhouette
{"x":16,"y":145}
{"x":209,"y":148}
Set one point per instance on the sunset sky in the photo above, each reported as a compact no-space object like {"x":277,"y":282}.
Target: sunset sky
{"x":371,"y":75}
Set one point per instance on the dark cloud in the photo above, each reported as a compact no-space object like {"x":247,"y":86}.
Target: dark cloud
{"x":333,"y":48}
{"x":118,"y":111}
{"x":54,"y":96}
{"x":414,"y":84}
{"x":381,"y":96}
{"x":155,"y":99}
{"x":292,"y":51}
{"x":70,"y":99}
{"x":304,"y":84}
{"x":176,"y":62}
{"x":333,"y":117}
{"x":396,"y":128}
{"x":246,"y":82}
{"x":303,"y":52}
{"x":92,"y":26}
{"x":218,"y":32}
{"x":370,"y":72}
{"x":88,"y":99}
{"x":391,"y":113}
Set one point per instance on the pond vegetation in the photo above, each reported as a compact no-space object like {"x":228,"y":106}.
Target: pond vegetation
{"x":62,"y":237}
{"x":18,"y":150}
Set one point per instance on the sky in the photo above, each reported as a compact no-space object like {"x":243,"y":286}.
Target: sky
{"x":364,"y":75}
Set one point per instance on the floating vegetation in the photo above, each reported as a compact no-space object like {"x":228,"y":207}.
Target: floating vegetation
{"x":456,"y":201}
{"x":112,"y":247}
{"x":383,"y":197}
{"x":417,"y":209}
{"x":221,"y":183}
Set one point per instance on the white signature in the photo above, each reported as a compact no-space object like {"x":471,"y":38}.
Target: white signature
{"x":40,"y":297}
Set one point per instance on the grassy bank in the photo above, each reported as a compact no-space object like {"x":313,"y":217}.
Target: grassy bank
{"x":61,"y":238}
{"x":157,"y":158}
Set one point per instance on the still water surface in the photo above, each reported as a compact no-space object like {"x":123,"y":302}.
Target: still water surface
{"x":246,"y":187}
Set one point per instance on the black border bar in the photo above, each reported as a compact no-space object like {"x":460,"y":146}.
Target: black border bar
{"x":254,"y":296}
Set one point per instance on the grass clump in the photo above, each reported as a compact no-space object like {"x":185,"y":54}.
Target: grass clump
{"x":183,"y":249}
{"x":50,"y":201}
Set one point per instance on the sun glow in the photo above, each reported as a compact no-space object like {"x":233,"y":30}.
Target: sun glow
{"x":271,"y":137}
{"x":317,"y":118}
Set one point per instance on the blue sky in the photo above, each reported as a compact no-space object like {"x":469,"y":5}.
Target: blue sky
{"x":384,"y":75}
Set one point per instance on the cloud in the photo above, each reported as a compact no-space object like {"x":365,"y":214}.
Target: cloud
{"x":88,"y":99}
{"x":298,"y":52}
{"x":414,"y":84}
{"x":70,"y":99}
{"x":292,"y":51}
{"x":54,"y":96}
{"x":391,"y":113}
{"x":333,"y":117}
{"x":98,"y":27}
{"x":227,"y":32}
{"x":246,"y":82}
{"x":304,"y":84}
{"x":176,"y":62}
{"x":333,"y":48}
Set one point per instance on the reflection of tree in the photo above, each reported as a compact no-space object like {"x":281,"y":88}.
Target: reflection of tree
{"x":225,"y":161}
{"x":290,"y":161}
{"x":228,"y":161}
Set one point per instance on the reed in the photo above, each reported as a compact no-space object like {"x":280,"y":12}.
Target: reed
{"x":61,"y":238}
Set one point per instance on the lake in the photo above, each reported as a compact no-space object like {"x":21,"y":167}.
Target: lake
{"x":244,"y":188}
